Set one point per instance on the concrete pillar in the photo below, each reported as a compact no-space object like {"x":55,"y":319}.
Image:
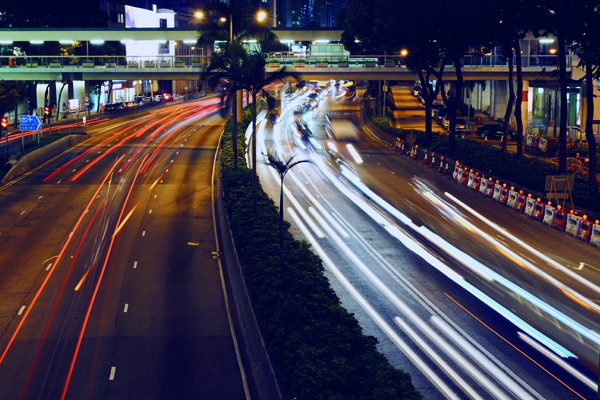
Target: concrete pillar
{"x":525,"y":104}
{"x":485,"y":97}
{"x":79,"y":91}
{"x":39,"y":94}
{"x":500,"y":99}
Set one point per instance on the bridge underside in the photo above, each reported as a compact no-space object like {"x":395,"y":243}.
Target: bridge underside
{"x":193,"y":73}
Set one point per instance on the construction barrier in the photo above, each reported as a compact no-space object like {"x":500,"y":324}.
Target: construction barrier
{"x":529,"y":206}
{"x":573,"y":224}
{"x":538,"y":210}
{"x":491,"y":187}
{"x":595,"y":236}
{"x":503,"y":195}
{"x":402,"y":148}
{"x":560,"y":219}
{"x":397,"y":145}
{"x":432,"y":160}
{"x":476,"y":182}
{"x":549,"y":213}
{"x":497,"y":191}
{"x":471,"y":178}
{"x":459,"y":174}
{"x":484,"y":185}
{"x":585,"y":230}
{"x":415,"y":154}
{"x":464,"y":177}
{"x":455,"y":174}
{"x":511,"y":202}
{"x":521,"y":200}
{"x":425,"y":161}
{"x":441,"y":169}
{"x":446,"y":170}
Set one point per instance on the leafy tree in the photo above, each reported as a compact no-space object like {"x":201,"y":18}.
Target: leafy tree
{"x":10,"y":94}
{"x":247,"y":72}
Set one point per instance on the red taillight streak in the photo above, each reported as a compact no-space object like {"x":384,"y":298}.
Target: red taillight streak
{"x":37,"y":295}
{"x":52,"y":175}
{"x":57,"y":300}
{"x":89,"y":310}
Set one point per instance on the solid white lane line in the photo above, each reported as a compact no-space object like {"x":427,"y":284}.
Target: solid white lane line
{"x":48,"y":267}
{"x":144,"y":233}
{"x":126,"y":307}
{"x":21,"y":310}
{"x":113,"y":370}
{"x":387,"y":329}
{"x":134,"y":264}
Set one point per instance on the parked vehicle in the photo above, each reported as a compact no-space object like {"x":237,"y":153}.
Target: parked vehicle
{"x":440,"y":114}
{"x":495,"y":132}
{"x":416,"y":90}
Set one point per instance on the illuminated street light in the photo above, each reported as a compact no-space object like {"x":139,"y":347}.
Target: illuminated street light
{"x":552,"y":51}
{"x":261,"y":16}
{"x":198,"y":14}
{"x":403,"y":53}
{"x":223,"y":19}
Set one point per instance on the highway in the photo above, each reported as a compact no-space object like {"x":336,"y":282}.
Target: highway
{"x":108,"y":285}
{"x":472,"y":299}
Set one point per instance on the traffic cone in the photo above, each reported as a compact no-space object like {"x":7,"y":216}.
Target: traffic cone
{"x":446,"y":171}
{"x":402,"y":148}
{"x":425,"y":159}
{"x":432,"y":160}
{"x":416,"y":153}
{"x":441,"y":169}
{"x":486,"y":140}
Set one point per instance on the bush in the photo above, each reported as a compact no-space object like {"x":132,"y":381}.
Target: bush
{"x":530,"y":172}
{"x":317,"y":348}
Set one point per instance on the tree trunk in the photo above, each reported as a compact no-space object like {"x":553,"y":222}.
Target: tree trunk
{"x":511,"y":100}
{"x":457,"y":101}
{"x":254,"y":190}
{"x":428,"y":102}
{"x":518,"y":113}
{"x":110,"y":86}
{"x":589,"y":129}
{"x":281,"y":224}
{"x":562,"y":71}
{"x":234,"y":131}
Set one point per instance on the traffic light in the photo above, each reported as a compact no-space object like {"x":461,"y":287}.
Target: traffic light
{"x":4,"y":122}
{"x":46,"y":110}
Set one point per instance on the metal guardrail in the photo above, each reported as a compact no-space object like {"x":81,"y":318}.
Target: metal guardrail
{"x":262,"y":371}
{"x":167,"y":61}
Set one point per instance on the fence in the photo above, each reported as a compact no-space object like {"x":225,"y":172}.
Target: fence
{"x":260,"y":364}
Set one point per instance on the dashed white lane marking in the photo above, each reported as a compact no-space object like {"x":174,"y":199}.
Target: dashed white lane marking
{"x":113,"y":370}
{"x":48,"y":267}
{"x":86,"y":211}
{"x":155,"y":196}
{"x":193,"y":244}
{"x":144,"y":233}
{"x":23,"y":213}
{"x":392,"y":172}
{"x":87,"y":160}
{"x":74,"y":170}
{"x":98,"y":196}
{"x":161,"y":181}
{"x":150,"y":212}
{"x":58,"y":182}
{"x":167,"y":170}
{"x":177,"y":153}
{"x":172,"y":160}
{"x":134,"y":264}
{"x":126,"y":307}
{"x":40,"y":197}
{"x":21,"y":310}
{"x":379,"y":163}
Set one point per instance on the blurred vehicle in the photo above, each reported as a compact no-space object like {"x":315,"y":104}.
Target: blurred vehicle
{"x":342,"y":130}
{"x":460,"y":125}
{"x":304,"y":138}
{"x":158,"y":97}
{"x":416,"y":90}
{"x":440,"y":115}
{"x":167,"y":97}
{"x":446,"y":121}
{"x":434,"y":107}
{"x":495,"y":132}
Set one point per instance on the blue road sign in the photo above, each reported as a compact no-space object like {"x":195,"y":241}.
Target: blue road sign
{"x":30,"y":123}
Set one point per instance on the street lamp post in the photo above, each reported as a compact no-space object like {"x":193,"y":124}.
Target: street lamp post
{"x":553,"y":51}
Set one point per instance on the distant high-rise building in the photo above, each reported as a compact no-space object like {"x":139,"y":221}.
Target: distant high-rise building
{"x":307,"y":13}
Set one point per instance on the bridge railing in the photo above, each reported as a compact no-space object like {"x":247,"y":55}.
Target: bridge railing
{"x":277,"y":59}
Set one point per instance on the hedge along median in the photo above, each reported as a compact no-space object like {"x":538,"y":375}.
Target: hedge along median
{"x":317,"y":348}
{"x":528,"y":172}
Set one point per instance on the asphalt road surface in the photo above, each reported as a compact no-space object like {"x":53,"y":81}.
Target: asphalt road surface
{"x":108,"y":287}
{"x":471,"y":298}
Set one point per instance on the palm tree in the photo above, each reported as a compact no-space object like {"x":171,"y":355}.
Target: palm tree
{"x":282,"y":168}
{"x":248,"y":72}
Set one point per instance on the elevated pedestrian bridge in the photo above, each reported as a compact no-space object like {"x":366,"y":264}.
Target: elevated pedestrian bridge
{"x":66,"y":68}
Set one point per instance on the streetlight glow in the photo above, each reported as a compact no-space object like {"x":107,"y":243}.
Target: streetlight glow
{"x":552,"y":51}
{"x":199,"y":14}
{"x":222,"y":19}
{"x":403,"y":53}
{"x":261,"y":16}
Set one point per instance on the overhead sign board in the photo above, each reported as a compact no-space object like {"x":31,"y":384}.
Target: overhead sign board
{"x":30,"y":122}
